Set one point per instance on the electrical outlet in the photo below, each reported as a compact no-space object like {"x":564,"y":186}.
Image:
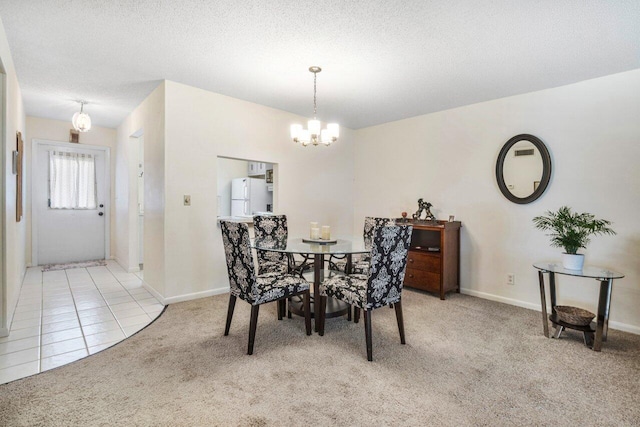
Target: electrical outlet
{"x":187,"y":200}
{"x":511,"y":279}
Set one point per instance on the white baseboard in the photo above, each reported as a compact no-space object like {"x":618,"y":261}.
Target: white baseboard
{"x":154,"y":292}
{"x":125,"y":268}
{"x":117,"y":260}
{"x":184,"y":297}
{"x":499,"y":298}
{"x":625,"y":327}
{"x":196,"y":295}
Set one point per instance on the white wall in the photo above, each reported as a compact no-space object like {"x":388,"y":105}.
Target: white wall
{"x":13,"y":233}
{"x":592,"y":130}
{"x":314,"y":183}
{"x":57,"y":130}
{"x":147,"y":119}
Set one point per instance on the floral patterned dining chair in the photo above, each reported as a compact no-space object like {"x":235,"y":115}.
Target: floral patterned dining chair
{"x":256,"y":289}
{"x":272,"y":227}
{"x":381,"y":286}
{"x":360,"y":264}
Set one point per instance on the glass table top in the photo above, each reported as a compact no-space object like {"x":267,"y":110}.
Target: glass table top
{"x":587,"y":271}
{"x":297,"y":246}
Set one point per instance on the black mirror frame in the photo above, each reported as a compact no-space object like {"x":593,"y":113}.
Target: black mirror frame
{"x":546,"y":169}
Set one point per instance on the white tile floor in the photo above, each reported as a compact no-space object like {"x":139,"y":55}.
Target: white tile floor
{"x":66,"y":315}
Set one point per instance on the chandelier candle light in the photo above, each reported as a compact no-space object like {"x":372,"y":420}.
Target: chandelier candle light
{"x":313,"y":134}
{"x":81,"y":120}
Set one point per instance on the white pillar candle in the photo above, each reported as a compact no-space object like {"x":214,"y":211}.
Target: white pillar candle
{"x":326,"y":232}
{"x":315,"y":233}
{"x":313,"y":225}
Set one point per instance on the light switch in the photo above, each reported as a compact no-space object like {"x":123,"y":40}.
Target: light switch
{"x":187,"y":200}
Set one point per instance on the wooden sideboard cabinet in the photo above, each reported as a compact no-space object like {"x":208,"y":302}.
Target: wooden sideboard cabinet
{"x":433,"y":263}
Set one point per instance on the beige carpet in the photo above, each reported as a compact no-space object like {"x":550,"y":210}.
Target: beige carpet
{"x":467,"y":361}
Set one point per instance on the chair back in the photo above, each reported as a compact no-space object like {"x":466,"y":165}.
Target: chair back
{"x":370,"y":224}
{"x":388,"y":264}
{"x":237,"y":250}
{"x":270,"y":227}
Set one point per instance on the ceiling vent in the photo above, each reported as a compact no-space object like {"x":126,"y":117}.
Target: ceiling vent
{"x":525,"y":152}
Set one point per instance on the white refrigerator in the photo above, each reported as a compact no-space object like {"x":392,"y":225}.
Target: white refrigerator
{"x":248,"y":195}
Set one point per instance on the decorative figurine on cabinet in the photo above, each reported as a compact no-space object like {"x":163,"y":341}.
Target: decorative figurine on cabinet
{"x":424,"y":207}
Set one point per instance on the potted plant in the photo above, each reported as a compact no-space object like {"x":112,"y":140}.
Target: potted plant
{"x":572,"y":231}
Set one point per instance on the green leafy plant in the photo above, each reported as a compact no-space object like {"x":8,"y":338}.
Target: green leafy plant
{"x":570,"y":230}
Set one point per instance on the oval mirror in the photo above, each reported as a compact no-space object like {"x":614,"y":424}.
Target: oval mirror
{"x":523,"y":169}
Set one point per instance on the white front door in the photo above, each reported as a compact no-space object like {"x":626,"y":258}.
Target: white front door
{"x":69,"y":234}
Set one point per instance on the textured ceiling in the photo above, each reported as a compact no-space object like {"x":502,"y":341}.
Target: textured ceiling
{"x":382,"y":60}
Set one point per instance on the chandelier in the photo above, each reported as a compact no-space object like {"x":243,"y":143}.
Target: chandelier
{"x":313,"y":134}
{"x":81,"y":120}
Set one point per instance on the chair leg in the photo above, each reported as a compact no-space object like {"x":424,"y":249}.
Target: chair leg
{"x":400,"y":320}
{"x":307,"y":312}
{"x":289,"y":308}
{"x":232,"y":305}
{"x":280,"y":308}
{"x":367,"y":332}
{"x":252,"y":327}
{"x":323,"y":316}
{"x":356,"y":314}
{"x":349,"y":313}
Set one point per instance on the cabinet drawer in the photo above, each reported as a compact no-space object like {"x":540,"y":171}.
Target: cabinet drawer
{"x":421,"y":279}
{"x":423,"y":261}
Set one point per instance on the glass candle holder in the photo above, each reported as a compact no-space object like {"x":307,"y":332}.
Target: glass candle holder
{"x":312,"y":226}
{"x":326,"y":232}
{"x":315,"y":233}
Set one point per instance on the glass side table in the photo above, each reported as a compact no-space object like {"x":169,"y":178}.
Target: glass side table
{"x":605,"y":277}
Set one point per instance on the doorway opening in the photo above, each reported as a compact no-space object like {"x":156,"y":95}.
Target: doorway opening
{"x":140,"y":210}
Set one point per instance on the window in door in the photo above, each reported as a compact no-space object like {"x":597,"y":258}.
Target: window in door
{"x":72,"y":180}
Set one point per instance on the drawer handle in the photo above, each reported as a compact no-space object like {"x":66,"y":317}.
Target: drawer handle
{"x":410,"y":259}
{"x":411,"y":276}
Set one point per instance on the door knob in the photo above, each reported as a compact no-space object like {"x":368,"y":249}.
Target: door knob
{"x":101,"y":205}
{"x":100,"y":213}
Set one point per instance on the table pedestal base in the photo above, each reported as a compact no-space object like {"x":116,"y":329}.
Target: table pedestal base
{"x":335,"y":308}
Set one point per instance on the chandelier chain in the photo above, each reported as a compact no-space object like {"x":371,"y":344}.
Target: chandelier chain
{"x":315,"y":75}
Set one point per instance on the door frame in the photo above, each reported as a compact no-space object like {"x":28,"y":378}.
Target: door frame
{"x":35,"y":146}
{"x":5,"y":322}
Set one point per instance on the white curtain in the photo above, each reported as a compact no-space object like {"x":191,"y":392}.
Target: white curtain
{"x":72,"y":180}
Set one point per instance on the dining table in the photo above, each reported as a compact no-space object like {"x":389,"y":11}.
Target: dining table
{"x":320,"y":251}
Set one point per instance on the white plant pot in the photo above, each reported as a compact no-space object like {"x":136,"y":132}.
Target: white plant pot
{"x":572,"y":262}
